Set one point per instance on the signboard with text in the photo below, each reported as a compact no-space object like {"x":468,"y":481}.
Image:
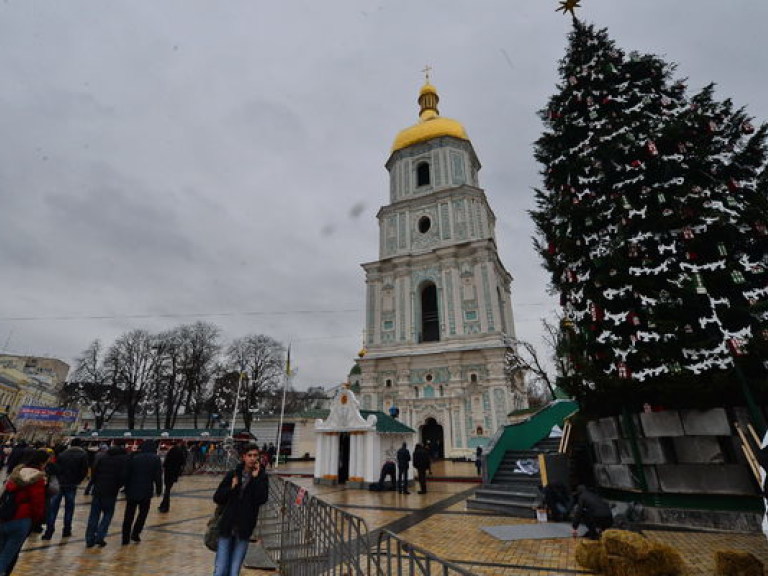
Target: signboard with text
{"x":47,"y":414}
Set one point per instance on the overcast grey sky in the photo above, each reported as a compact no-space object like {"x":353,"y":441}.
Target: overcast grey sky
{"x":161,"y":160}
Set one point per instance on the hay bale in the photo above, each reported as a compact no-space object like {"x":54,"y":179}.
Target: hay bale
{"x":735,"y":563}
{"x":591,"y":555}
{"x":626,"y":544}
{"x":666,"y":559}
{"x":661,"y":560}
{"x":621,"y":566}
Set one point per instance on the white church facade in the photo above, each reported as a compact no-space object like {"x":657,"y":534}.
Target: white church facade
{"x":438,"y":303}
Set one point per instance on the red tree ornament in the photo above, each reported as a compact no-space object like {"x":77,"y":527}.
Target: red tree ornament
{"x":623,"y":370}
{"x":737,"y":347}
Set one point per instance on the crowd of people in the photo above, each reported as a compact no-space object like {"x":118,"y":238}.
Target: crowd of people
{"x":41,"y":477}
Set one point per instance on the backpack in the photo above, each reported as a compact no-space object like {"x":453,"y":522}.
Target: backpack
{"x":7,"y":506}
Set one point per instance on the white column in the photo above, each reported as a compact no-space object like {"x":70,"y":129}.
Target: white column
{"x":333,"y":456}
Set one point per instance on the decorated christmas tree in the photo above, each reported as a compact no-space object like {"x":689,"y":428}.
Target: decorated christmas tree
{"x":652,"y":222}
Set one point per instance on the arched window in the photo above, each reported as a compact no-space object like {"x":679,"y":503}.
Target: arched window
{"x":422,"y":174}
{"x":388,"y":383}
{"x":415,"y":391}
{"x":430,"y":321}
{"x":473,"y":378}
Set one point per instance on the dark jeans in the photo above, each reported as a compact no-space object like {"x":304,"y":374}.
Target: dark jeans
{"x":68,"y":493}
{"x":102,"y":510}
{"x":402,"y":478}
{"x":166,"y":503}
{"x":422,"y":472}
{"x":132,"y":529}
{"x":12,"y":536}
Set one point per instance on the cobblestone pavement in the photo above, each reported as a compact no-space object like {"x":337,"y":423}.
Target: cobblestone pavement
{"x":437,"y":521}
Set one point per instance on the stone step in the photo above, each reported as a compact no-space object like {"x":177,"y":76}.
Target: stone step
{"x":504,"y":493}
{"x":519,"y":510}
{"x":505,"y":476}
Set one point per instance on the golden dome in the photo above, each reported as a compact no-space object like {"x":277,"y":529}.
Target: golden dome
{"x":431,"y":124}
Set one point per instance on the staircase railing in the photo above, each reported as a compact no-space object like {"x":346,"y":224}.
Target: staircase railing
{"x":749,"y":451}
{"x":565,"y":439}
{"x":524,"y":435}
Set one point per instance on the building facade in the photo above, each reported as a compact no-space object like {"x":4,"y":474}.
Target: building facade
{"x":438,"y":303}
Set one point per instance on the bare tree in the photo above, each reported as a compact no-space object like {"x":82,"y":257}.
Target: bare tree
{"x":92,"y":386}
{"x":168,"y":393}
{"x":260,"y":360}
{"x":524,"y":357}
{"x":200,"y":350}
{"x":133,"y":360}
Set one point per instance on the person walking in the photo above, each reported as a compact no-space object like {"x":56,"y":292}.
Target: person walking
{"x":73,"y":468}
{"x":479,"y":460}
{"x":93,"y":458}
{"x":403,"y":461}
{"x":421,"y":462}
{"x":173,"y":466}
{"x":143,"y":472}
{"x":241,"y":493}
{"x":107,"y":476}
{"x":593,"y":511}
{"x":27,"y":485}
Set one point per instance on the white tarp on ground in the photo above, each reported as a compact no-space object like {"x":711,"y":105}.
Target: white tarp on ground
{"x":542,"y":530}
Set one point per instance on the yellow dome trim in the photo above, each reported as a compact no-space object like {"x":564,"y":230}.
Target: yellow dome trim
{"x":427,"y":130}
{"x":431,"y":124}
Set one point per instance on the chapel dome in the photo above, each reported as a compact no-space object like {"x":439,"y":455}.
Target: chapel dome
{"x":431,"y":124}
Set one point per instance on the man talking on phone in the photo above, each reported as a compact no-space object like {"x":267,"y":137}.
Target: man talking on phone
{"x":241,"y":493}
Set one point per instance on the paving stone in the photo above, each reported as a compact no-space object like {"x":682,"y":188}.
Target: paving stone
{"x":437,"y":522}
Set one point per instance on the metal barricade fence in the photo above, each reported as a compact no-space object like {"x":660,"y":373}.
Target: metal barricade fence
{"x":305,"y":536}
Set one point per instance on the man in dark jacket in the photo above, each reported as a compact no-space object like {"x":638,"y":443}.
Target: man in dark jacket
{"x":143,"y":472}
{"x":421,"y":462}
{"x":593,"y":511}
{"x":73,"y":468}
{"x":241,"y":492}
{"x":108,"y":475}
{"x":93,"y":457}
{"x":388,"y":470}
{"x":403,"y":461}
{"x":173,"y":466}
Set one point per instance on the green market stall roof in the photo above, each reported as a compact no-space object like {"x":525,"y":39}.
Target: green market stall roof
{"x":155,"y":434}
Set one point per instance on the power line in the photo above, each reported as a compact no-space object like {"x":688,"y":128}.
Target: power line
{"x":148,"y":316}
{"x":173,"y":315}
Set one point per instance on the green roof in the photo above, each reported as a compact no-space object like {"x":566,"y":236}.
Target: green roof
{"x":384,"y":422}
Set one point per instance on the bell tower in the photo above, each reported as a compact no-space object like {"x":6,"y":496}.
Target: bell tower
{"x":438,"y":304}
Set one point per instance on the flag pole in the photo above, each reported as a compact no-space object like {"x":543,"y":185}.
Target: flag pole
{"x":237,"y":399}
{"x":282,"y":405}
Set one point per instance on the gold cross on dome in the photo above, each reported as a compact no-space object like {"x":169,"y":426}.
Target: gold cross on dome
{"x":568,"y":6}
{"x":427,"y":70}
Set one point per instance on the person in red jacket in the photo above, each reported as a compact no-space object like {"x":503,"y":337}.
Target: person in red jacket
{"x":27,"y":484}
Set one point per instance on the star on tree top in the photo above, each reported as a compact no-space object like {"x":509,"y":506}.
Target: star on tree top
{"x":568,"y":6}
